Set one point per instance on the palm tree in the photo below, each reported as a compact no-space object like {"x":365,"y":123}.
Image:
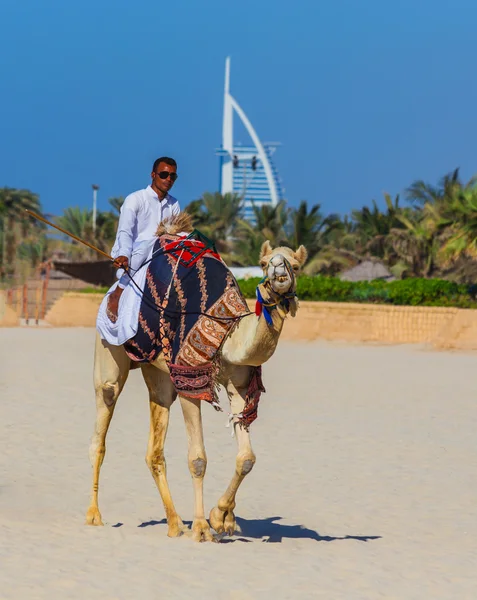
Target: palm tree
{"x":33,"y":251}
{"x":460,"y":219}
{"x":16,"y":223}
{"x":372,"y":227}
{"x":219,"y":214}
{"x":247,"y":244}
{"x":116,"y":203}
{"x":223,"y":211}
{"x":271,"y":221}
{"x":439,"y":233}
{"x":196,"y":210}
{"x":311,"y":228}
{"x":76,"y":220}
{"x":13,"y":202}
{"x":106,"y":227}
{"x":421,"y":193}
{"x":417,"y":244}
{"x":79,"y":222}
{"x":331,"y":260}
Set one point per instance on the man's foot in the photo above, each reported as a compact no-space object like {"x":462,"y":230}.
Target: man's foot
{"x":113,"y":304}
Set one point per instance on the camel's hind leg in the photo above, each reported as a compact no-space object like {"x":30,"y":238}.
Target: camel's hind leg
{"x":111,"y":369}
{"x":222,"y":517}
{"x":161,"y":396}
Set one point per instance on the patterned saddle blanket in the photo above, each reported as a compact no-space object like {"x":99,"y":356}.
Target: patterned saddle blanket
{"x":190,"y":303}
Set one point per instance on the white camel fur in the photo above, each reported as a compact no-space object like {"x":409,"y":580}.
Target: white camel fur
{"x":251,"y":343}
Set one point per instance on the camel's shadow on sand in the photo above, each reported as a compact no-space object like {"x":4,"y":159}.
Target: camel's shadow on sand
{"x":267,"y":530}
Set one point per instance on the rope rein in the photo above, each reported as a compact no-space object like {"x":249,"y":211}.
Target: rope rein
{"x":164,"y":310}
{"x":282,"y":299}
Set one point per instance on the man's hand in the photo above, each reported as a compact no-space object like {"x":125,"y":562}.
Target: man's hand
{"x":121,"y":262}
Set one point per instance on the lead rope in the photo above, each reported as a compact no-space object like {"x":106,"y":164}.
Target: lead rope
{"x":164,"y":311}
{"x":231,"y":421}
{"x":166,"y":297}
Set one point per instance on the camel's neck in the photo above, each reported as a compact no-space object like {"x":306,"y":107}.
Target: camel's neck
{"x":253,"y":341}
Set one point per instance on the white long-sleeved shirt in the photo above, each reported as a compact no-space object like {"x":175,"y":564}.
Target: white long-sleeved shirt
{"x":139,"y":218}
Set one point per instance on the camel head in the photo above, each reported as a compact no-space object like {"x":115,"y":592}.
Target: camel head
{"x":281,"y":266}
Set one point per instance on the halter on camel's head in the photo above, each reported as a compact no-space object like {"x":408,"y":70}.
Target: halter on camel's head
{"x":277,"y":290}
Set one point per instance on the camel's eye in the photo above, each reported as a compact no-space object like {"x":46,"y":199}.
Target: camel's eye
{"x":296,"y":268}
{"x":263,"y":263}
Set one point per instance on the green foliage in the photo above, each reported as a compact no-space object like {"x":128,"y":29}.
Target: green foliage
{"x":248,"y":286}
{"x":407,"y":292}
{"x":431,"y":292}
{"x":93,"y":290}
{"x":116,"y":204}
{"x":17,"y":228}
{"x":434,"y":236}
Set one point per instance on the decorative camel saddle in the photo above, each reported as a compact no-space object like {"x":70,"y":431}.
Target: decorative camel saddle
{"x":190,"y":303}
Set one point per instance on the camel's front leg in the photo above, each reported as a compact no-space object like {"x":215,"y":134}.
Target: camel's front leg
{"x":197,"y":460}
{"x":161,"y":396}
{"x":222,"y":517}
{"x":111,"y":368}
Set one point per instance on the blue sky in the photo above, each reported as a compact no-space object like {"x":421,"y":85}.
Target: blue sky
{"x":365,"y":96}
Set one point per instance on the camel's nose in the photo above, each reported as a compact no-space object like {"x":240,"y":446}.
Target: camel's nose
{"x":277,"y":268}
{"x":277,"y":260}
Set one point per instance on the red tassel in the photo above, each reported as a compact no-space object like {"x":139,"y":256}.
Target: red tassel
{"x":258,"y":308}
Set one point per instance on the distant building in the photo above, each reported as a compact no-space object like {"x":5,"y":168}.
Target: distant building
{"x":246,"y":170}
{"x":368,"y":270}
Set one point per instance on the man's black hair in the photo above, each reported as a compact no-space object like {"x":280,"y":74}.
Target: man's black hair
{"x":164,"y":159}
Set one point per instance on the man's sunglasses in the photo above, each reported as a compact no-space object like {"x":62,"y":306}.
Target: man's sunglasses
{"x":166,"y":174}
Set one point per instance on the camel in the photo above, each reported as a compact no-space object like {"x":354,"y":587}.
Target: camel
{"x":250,"y":344}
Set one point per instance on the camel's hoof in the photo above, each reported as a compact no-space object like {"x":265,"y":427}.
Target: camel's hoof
{"x":201,"y":531}
{"x":93,"y":517}
{"x":177,"y":528}
{"x":216,"y":519}
{"x":230,"y":523}
{"x":223,"y":521}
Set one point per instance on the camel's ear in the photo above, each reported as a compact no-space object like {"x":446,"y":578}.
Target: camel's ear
{"x":301,"y":255}
{"x":266,"y":249}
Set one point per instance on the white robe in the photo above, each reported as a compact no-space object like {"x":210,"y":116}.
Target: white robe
{"x":126,"y":325}
{"x":139,"y":218}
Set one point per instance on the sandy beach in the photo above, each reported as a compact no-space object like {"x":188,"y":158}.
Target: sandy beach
{"x":365,"y":484}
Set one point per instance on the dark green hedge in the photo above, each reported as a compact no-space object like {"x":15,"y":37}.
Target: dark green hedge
{"x":405,"y":292}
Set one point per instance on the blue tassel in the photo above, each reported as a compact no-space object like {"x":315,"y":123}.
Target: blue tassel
{"x":259,"y":296}
{"x":267,"y":315}
{"x":265,"y":311}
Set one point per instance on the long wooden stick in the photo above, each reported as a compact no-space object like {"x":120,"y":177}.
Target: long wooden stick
{"x":68,"y":233}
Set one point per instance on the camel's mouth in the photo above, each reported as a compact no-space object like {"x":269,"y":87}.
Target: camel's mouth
{"x":281,"y":287}
{"x":280,"y":274}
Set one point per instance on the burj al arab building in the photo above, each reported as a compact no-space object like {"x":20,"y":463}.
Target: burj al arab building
{"x":246,"y":170}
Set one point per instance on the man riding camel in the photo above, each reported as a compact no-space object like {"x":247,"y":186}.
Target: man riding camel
{"x":139,"y":219}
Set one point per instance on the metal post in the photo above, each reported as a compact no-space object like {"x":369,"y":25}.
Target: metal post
{"x":45,"y":291}
{"x":38,"y":302}
{"x":25,"y":302}
{"x":18,"y":301}
{"x":244,"y":191}
{"x":4,"y":244}
{"x":95,"y":193}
